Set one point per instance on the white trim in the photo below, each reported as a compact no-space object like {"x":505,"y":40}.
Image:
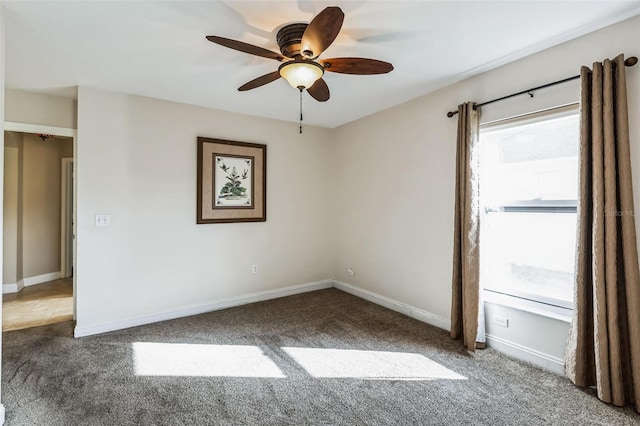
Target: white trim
{"x":533,"y":307}
{"x":2,"y":417}
{"x":12,"y":126}
{"x":553,"y":113}
{"x":39,"y":279}
{"x":394,"y":305}
{"x":25,"y":282}
{"x":12,"y":287}
{"x":88,"y":330}
{"x":524,"y":353}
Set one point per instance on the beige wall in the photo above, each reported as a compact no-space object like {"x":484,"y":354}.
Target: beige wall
{"x":396,"y":170}
{"x":2,"y":114}
{"x":136,"y":160}
{"x":32,"y":205}
{"x":66,"y":147}
{"x":44,"y":110}
{"x":10,"y":215}
{"x":41,"y":207}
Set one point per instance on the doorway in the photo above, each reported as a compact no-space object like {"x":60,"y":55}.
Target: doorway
{"x":39,"y":239}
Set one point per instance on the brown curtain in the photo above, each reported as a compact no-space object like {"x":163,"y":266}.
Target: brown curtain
{"x":466,"y":243}
{"x":603,"y":348}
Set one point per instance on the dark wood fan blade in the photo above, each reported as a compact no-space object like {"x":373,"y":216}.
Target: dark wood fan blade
{"x":360,"y":66}
{"x":319,"y":91}
{"x":321,"y":32}
{"x":246,"y":48}
{"x":260,"y":81}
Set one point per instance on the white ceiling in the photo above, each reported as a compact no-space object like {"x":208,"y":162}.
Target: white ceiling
{"x":158,"y":48}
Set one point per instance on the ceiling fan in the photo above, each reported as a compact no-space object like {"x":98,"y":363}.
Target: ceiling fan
{"x":301,"y":44}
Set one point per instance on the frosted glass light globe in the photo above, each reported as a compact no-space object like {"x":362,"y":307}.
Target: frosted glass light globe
{"x":301,"y":73}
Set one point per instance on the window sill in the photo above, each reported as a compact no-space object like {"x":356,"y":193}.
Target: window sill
{"x":537,"y":308}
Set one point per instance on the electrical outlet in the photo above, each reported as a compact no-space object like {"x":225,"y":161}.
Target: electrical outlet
{"x":501,"y":321}
{"x":351,"y":272}
{"x":254,"y":269}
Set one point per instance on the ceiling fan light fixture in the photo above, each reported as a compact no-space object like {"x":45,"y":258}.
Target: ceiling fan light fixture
{"x":301,"y":73}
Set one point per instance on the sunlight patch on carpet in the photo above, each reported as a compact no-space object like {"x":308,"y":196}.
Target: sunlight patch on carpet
{"x":370,"y":365}
{"x":178,"y":359}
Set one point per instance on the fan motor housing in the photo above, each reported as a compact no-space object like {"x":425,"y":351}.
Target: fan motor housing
{"x":289,"y":38}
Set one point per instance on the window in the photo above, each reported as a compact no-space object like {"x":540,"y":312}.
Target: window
{"x":528,"y":195}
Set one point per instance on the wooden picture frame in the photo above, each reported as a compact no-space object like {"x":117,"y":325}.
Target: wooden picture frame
{"x":231,"y":181}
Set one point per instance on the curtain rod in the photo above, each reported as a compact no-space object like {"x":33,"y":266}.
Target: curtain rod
{"x":628,"y":62}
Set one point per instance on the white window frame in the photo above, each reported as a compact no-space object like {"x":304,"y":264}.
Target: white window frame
{"x":537,"y":304}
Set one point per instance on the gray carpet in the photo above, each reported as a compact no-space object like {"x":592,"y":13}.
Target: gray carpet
{"x":318,"y":358}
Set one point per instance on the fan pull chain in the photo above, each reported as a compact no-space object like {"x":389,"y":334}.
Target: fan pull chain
{"x":300,"y":109}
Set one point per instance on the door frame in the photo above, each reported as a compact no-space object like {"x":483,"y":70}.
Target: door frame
{"x":12,"y":126}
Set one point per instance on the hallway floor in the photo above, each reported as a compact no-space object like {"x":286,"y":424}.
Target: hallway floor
{"x":37,"y":305}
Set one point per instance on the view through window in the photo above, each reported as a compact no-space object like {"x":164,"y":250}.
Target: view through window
{"x":528,"y":193}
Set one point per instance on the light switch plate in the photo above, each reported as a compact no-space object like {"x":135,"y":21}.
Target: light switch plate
{"x":103,"y":220}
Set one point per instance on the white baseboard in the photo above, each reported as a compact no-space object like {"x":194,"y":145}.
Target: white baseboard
{"x":515,"y":350}
{"x":507,"y":347}
{"x":524,"y":353}
{"x":39,"y":279}
{"x":394,"y":305}
{"x":25,"y":282}
{"x":1,"y":414}
{"x":12,"y":287}
{"x":88,"y":330}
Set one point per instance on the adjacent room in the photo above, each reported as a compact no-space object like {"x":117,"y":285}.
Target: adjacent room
{"x":310,"y":212}
{"x":38,"y":239}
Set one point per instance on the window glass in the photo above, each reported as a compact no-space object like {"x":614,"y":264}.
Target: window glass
{"x":528,"y":191}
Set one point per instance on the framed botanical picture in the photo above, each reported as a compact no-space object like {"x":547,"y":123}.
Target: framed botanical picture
{"x":232,"y":181}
